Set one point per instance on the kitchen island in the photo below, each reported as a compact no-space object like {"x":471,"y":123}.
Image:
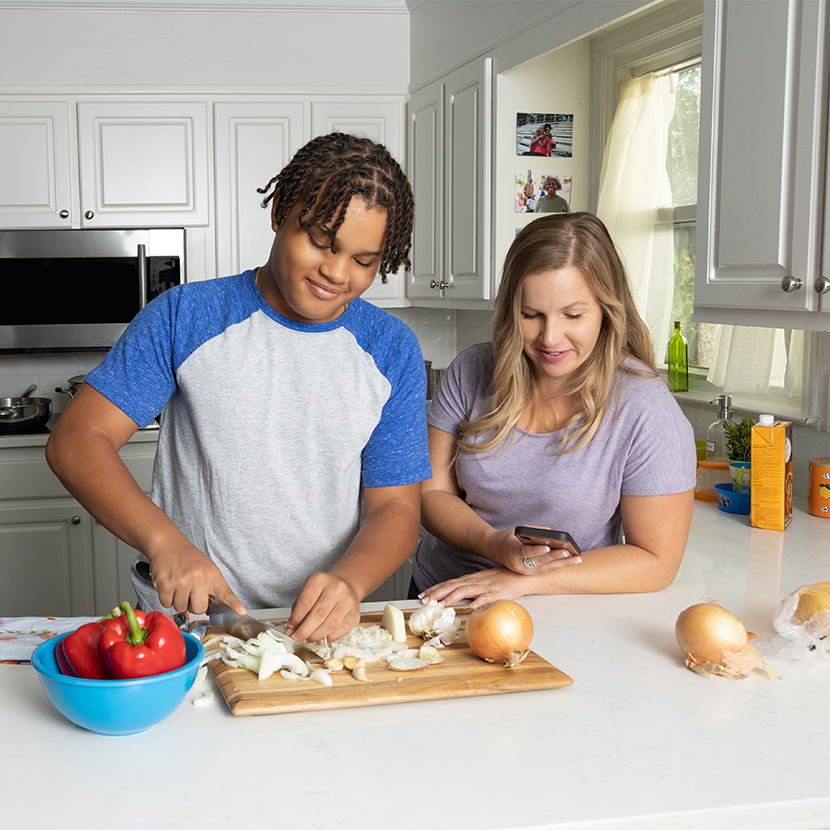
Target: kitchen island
{"x":638,"y":740}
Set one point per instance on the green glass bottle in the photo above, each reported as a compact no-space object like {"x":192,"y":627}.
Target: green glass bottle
{"x":678,"y":361}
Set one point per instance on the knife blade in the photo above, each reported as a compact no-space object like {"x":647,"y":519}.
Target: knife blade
{"x":246,"y":627}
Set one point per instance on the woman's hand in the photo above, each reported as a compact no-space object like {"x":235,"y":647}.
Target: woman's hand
{"x":326,"y":608}
{"x":480,"y":587}
{"x":506,"y":549}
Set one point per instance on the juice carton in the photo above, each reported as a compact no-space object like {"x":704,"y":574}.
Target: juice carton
{"x":771,"y":496}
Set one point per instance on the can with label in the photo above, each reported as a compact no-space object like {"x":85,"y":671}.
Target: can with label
{"x":818,"y":493}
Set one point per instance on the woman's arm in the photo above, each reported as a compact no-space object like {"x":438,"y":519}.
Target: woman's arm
{"x":83,"y":453}
{"x":446,"y":515}
{"x":328,"y":605}
{"x":656,"y":530}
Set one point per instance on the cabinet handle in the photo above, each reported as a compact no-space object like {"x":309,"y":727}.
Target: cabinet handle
{"x":440,"y":285}
{"x":822,"y":285}
{"x":89,"y":214}
{"x":76,"y":520}
{"x":791,"y":283}
{"x":64,"y":214}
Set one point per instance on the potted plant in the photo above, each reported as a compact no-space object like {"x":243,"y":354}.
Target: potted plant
{"x":739,"y":452}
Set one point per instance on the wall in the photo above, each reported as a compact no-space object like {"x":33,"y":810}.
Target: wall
{"x":216,"y":50}
{"x":448,"y":33}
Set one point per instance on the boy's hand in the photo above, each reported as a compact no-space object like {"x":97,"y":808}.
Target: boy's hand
{"x":184,"y":577}
{"x":327,"y":608}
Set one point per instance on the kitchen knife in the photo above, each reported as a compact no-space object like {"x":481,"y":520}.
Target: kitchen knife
{"x":247,"y":627}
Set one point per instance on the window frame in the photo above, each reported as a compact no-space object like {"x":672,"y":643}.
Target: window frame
{"x":651,"y":41}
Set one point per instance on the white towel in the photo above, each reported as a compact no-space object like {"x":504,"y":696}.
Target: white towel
{"x":20,"y":636}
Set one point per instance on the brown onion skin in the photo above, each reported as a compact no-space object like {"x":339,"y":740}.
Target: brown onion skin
{"x":496,"y":630}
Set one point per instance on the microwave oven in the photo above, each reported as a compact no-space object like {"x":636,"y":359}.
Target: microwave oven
{"x":76,"y":290}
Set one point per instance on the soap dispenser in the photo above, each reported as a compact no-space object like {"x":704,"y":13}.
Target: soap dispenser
{"x":716,"y":434}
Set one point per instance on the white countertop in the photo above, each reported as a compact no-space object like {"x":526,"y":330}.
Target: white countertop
{"x":638,"y":740}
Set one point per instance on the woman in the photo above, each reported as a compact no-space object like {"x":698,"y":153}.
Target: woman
{"x":542,"y":143}
{"x":560,"y":422}
{"x":552,"y":202}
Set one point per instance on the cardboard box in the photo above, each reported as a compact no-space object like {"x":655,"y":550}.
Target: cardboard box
{"x":771,"y":496}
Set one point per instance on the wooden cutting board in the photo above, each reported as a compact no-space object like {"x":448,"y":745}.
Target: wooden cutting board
{"x":461,"y":674}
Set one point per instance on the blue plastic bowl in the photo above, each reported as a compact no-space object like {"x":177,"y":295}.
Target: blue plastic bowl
{"x":730,"y":501}
{"x":116,"y":707}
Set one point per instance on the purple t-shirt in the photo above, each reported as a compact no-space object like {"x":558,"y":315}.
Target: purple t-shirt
{"x":644,"y":447}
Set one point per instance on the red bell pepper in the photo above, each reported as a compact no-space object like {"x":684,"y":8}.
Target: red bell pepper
{"x":139,"y":645}
{"x":79,"y":655}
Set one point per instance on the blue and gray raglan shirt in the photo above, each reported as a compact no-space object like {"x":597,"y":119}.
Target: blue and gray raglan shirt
{"x":269,"y":427}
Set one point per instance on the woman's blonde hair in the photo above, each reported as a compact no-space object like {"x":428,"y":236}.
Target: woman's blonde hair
{"x":555,"y":241}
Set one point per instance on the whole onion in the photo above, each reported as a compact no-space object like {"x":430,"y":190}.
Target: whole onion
{"x":716,"y":642}
{"x":500,"y":632}
{"x":705,"y":631}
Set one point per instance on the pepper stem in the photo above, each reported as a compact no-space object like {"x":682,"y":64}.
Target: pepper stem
{"x":137,"y":634}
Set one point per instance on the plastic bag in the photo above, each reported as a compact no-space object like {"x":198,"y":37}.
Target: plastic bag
{"x":803,"y":625}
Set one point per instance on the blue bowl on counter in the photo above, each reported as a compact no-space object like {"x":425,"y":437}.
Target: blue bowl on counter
{"x":730,"y":501}
{"x":116,"y":707}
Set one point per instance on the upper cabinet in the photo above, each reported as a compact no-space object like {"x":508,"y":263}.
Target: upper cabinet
{"x":125,"y":164}
{"x":38,"y":165}
{"x":450,"y":160}
{"x":763,"y":239}
{"x":143,"y":164}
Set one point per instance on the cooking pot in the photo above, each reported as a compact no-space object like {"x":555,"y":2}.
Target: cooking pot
{"x":73,"y":385}
{"x":24,"y":413}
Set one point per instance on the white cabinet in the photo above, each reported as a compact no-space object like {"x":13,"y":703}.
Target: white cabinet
{"x":45,"y":559}
{"x":98,"y":164}
{"x":253,"y":141}
{"x":55,"y":559}
{"x":38,"y":164}
{"x":143,"y":164}
{"x":762,"y":200}
{"x":450,"y":161}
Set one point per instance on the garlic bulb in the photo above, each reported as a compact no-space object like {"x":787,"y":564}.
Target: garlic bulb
{"x":434,"y":622}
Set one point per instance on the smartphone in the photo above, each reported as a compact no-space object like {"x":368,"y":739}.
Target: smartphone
{"x":553,"y":538}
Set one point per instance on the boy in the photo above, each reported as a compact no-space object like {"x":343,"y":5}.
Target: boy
{"x":285,"y":397}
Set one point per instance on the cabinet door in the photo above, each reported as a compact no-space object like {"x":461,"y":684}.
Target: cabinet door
{"x":467,"y":181}
{"x":143,"y":164}
{"x":762,"y":156}
{"x":425,"y":134}
{"x":36,"y":168}
{"x":45,"y":560}
{"x":253,"y":142}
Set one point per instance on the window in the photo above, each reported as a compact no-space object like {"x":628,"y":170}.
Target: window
{"x":668,"y":40}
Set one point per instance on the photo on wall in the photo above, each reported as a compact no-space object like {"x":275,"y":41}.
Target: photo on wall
{"x":543,"y":191}
{"x":544,"y":134}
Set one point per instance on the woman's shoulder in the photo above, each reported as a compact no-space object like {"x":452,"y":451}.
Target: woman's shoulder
{"x":636,"y":382}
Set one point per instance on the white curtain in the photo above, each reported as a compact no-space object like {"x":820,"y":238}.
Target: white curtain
{"x":747,"y":359}
{"x":634,"y":202}
{"x":634,"y":192}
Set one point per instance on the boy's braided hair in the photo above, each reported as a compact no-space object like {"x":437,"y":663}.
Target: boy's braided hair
{"x":333,"y":169}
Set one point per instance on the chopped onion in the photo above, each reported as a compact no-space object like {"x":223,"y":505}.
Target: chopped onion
{"x":715,"y":642}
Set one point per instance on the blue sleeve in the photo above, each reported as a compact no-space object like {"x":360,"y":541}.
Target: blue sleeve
{"x":397,"y":452}
{"x":138,"y":373}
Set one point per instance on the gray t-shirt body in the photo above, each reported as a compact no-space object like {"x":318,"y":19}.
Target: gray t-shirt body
{"x":644,"y":447}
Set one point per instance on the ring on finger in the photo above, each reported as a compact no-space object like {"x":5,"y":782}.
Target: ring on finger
{"x":529,"y":563}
